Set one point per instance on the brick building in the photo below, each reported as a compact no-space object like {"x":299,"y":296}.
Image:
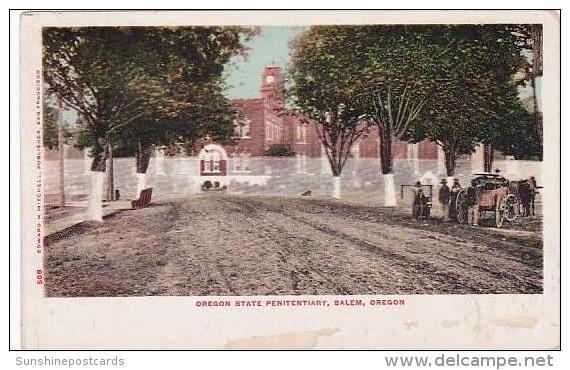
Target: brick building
{"x":262,"y":124}
{"x":265,"y":121}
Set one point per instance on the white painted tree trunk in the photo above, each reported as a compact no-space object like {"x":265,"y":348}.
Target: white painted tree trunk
{"x":416,"y":153}
{"x":478,"y":159}
{"x":441,"y":160}
{"x":141,"y":183}
{"x":87,"y":160}
{"x":159,"y":161}
{"x":389,"y":190}
{"x":95,"y":203}
{"x":336,"y":187}
{"x":325,"y":165}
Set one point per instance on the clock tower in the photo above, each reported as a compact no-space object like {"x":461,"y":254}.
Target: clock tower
{"x":272,"y":85}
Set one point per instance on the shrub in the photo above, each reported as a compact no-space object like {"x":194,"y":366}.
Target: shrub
{"x":207,"y":185}
{"x":280,"y":150}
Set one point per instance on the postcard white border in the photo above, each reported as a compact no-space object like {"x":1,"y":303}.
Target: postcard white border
{"x":425,"y":322}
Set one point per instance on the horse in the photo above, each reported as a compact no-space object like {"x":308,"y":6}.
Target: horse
{"x":526,"y":191}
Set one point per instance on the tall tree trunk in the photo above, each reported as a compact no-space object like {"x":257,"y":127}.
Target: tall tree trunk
{"x":336,"y":193}
{"x":111,"y":177}
{"x":143,"y":155}
{"x":450,"y":158}
{"x":537,"y":70}
{"x":61,"y":149}
{"x":159,"y":161}
{"x":537,"y":116}
{"x":336,"y":169}
{"x":98,"y":167}
{"x":385,"y":143}
{"x":100,"y":155}
{"x":386,"y":164}
{"x":488,"y":157}
{"x":440,"y":160}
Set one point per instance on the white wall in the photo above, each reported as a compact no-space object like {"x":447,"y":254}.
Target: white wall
{"x":181,"y":176}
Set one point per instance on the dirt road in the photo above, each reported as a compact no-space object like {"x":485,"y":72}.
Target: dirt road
{"x":218,"y":244}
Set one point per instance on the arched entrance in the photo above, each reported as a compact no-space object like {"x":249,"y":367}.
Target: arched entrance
{"x":213,"y":161}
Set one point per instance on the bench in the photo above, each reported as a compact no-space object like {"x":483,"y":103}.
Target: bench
{"x":144,"y":199}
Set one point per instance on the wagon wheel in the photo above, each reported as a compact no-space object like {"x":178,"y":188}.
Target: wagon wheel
{"x":418,"y":210}
{"x":461,"y":206}
{"x":500,"y":207}
{"x":511,"y":208}
{"x":426,"y":212}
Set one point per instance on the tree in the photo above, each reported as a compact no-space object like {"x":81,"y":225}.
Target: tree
{"x":322,"y":89}
{"x":476,"y":83}
{"x":516,"y":134}
{"x":528,"y":39}
{"x":397,"y":73}
{"x":208,"y":113}
{"x":119,"y":77}
{"x":512,"y":69}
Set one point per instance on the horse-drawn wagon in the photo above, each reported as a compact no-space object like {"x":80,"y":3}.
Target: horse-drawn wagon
{"x":493,"y":194}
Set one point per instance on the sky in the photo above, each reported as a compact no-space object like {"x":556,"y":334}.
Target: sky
{"x":269,"y":47}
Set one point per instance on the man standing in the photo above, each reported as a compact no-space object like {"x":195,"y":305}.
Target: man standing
{"x":473,"y":203}
{"x":444,"y":197}
{"x":533,"y":192}
{"x":453,"y":197}
{"x":416,"y":204}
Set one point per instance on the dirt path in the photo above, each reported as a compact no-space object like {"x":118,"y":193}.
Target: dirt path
{"x":230,"y":245}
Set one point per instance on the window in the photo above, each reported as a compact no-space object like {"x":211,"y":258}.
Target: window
{"x":242,"y":128}
{"x":212,"y":161}
{"x":207,"y":166}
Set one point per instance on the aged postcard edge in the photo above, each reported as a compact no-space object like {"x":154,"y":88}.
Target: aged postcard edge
{"x":487,"y":321}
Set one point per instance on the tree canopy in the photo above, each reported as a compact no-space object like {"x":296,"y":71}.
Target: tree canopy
{"x":476,"y":89}
{"x":155,"y":84}
{"x":455,"y":85}
{"x":397,"y":73}
{"x":323,"y":88}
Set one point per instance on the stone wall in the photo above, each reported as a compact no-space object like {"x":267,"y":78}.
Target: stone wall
{"x":270,"y":175}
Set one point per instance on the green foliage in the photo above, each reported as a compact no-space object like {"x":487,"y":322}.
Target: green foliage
{"x":455,"y":85}
{"x":280,"y":150}
{"x":141,"y":86}
{"x":323,"y":88}
{"x":397,"y":72}
{"x":517,"y":134}
{"x":476,"y":89}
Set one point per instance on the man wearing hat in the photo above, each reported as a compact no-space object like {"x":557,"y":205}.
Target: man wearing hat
{"x":417,"y":192}
{"x":454,"y":191}
{"x":444,"y":198}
